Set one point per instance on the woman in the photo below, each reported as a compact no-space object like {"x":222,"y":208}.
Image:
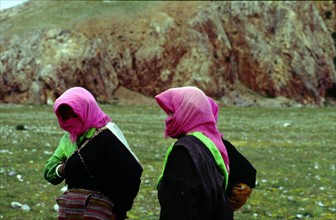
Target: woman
{"x":195,"y":173}
{"x":94,"y":159}
{"x":242,"y":175}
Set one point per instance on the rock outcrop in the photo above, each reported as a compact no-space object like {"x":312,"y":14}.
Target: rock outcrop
{"x":243,"y":53}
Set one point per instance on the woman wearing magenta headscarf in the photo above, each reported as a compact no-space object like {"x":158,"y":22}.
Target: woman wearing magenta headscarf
{"x":242,"y":175}
{"x":195,"y":171}
{"x":94,"y":159}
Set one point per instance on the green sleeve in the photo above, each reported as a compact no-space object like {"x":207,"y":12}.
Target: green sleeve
{"x":62,"y":152}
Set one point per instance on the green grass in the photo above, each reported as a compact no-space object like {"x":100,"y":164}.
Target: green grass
{"x":294,"y":151}
{"x":66,"y":14}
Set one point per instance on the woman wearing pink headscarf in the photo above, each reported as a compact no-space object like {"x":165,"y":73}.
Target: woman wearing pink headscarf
{"x":94,"y":159}
{"x":195,"y":171}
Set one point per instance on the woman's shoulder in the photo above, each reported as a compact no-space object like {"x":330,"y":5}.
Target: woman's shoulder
{"x":193,"y":145}
{"x":106,"y":135}
{"x":105,"y":139}
{"x":188,"y":141}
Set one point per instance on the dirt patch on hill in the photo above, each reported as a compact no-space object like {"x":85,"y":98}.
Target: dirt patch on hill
{"x":125,"y":96}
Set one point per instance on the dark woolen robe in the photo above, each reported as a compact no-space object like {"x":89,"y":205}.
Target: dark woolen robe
{"x":192,"y":187}
{"x":116,"y":173}
{"x":241,"y":170}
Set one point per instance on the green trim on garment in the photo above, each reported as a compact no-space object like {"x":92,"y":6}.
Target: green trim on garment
{"x":215,"y":153}
{"x":164,"y":165}
{"x":212,"y":148}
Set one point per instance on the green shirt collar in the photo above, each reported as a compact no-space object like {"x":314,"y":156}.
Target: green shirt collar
{"x":87,"y":135}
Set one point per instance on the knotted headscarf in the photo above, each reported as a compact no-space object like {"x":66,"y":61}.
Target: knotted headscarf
{"x":189,"y":110}
{"x":85,"y":107}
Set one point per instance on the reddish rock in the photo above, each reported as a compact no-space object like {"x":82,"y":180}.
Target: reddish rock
{"x":240,"y":52}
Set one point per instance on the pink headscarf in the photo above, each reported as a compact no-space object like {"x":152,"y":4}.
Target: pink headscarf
{"x":85,"y":107}
{"x":214,"y":108}
{"x":189,"y":110}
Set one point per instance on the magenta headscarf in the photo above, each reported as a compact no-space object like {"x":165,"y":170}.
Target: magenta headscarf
{"x":189,"y":110}
{"x":214,"y":108}
{"x":85,"y":107}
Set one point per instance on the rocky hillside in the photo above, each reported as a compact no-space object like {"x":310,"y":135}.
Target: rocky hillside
{"x":242,"y":53}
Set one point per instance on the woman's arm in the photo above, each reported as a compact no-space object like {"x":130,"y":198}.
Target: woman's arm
{"x":53,"y":167}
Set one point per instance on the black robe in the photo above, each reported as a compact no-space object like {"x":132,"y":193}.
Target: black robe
{"x":115,"y":171}
{"x":241,"y":170}
{"x":192,"y":187}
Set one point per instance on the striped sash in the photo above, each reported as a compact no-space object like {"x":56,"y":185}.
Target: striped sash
{"x":84,"y":204}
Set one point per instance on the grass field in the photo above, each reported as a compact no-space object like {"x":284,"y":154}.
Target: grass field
{"x":294,"y":151}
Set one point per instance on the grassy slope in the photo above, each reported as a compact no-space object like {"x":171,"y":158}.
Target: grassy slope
{"x":65,"y":14}
{"x":293,"y":150}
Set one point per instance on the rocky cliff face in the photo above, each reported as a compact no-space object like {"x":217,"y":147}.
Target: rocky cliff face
{"x":244,"y":53}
